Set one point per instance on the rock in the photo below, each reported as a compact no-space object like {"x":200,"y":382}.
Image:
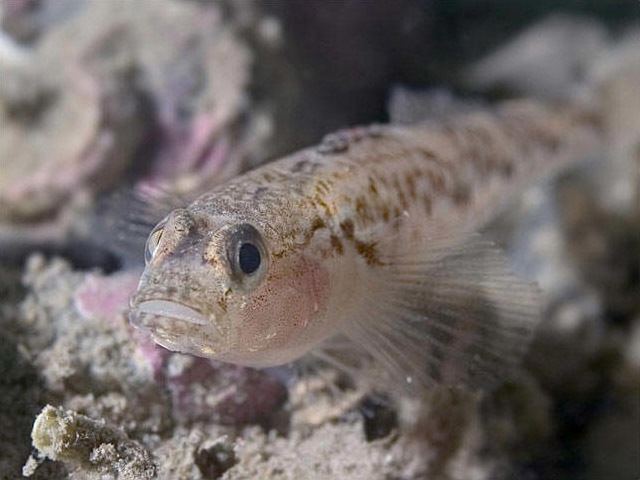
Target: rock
{"x":72,"y":130}
{"x":102,"y":95}
{"x":91,"y":445}
{"x":329,"y":452}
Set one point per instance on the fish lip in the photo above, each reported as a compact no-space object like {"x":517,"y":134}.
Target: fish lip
{"x":172,"y":309}
{"x":176,"y":326}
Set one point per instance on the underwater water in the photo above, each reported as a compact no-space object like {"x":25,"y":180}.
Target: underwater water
{"x":99,"y":98}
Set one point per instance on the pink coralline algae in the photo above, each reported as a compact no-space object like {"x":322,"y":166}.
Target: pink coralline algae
{"x":103,"y":297}
{"x":233,"y":395}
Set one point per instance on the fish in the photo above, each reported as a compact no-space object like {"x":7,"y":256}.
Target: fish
{"x":369,"y":241}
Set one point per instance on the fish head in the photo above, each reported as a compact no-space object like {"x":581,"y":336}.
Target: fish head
{"x":227,"y":287}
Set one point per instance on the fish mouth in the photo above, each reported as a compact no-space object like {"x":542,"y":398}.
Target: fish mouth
{"x":173,"y":310}
{"x":178,"y":327}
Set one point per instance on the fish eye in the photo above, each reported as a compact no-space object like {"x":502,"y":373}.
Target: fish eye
{"x":247,"y":252}
{"x":152,"y":243}
{"x":249,"y":258}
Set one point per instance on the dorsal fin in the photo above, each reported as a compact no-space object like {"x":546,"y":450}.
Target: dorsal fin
{"x":123,"y":219}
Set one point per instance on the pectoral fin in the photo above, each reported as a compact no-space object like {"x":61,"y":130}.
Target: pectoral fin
{"x":456,"y":317}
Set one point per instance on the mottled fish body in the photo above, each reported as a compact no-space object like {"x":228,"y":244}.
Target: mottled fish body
{"x":371,"y":237}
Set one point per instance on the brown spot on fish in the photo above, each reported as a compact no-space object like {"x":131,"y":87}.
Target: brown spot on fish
{"x":362,"y":210}
{"x":323,"y":187}
{"x":223,"y":302}
{"x":372,"y":187}
{"x":317,"y":224}
{"x":328,"y":210}
{"x":385,"y":213}
{"x":347,"y":228}
{"x":279,"y":253}
{"x":368,"y":251}
{"x":337,"y":245}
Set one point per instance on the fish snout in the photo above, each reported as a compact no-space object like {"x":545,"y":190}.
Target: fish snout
{"x":178,"y":327}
